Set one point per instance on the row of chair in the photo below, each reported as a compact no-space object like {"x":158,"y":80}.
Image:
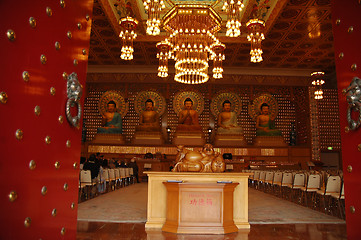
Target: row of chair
{"x":107,"y":180}
{"x":318,"y":190}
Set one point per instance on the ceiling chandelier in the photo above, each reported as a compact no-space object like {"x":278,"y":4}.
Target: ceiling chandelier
{"x":255,"y":36}
{"x":191,"y":43}
{"x":217,"y":57}
{"x":127,"y":34}
{"x":153,"y":23}
{"x":233,"y":24}
{"x":317,"y":81}
{"x":163,"y":55}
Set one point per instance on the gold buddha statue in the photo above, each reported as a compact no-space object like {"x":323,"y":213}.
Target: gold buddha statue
{"x":111,"y":120}
{"x":227,"y":120}
{"x":149,"y":119}
{"x":265,"y":125}
{"x":188,"y":118}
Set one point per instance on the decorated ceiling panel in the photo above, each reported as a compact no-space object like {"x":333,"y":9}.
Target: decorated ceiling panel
{"x":298,"y":35}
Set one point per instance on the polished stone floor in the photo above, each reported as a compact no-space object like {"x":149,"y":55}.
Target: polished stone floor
{"x":263,"y":208}
{"x":136,"y":231}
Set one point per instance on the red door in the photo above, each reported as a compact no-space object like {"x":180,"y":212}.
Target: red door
{"x":346,"y":19}
{"x":40,"y":149}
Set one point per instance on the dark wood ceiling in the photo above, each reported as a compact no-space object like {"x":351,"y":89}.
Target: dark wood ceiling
{"x":300,"y":37}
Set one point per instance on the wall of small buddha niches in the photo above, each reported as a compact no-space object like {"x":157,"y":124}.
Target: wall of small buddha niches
{"x":329,"y":122}
{"x":293,"y":106}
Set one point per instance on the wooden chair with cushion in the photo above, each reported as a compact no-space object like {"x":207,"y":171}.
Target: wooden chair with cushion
{"x":309,"y":191}
{"x":112,"y":179}
{"x":262,"y":178}
{"x":298,"y":182}
{"x":268,"y":180}
{"x":286,"y":185}
{"x":85,"y":185}
{"x":118,"y":178}
{"x":255,"y":178}
{"x":338,"y":203}
{"x":105,"y":176}
{"x":123,"y":177}
{"x":333,"y":186}
{"x":276,"y":184}
{"x":127,"y":175}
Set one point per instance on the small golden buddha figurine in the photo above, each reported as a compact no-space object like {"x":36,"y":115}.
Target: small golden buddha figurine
{"x":205,"y":160}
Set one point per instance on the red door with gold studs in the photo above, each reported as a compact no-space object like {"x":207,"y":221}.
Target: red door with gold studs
{"x":346,"y":17}
{"x":42,"y":43}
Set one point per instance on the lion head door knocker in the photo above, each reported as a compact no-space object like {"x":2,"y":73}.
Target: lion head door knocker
{"x":353,"y":97}
{"x":74,"y":92}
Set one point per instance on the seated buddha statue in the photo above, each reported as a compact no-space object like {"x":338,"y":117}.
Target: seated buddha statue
{"x":111,"y":121}
{"x":227,"y":120}
{"x":188,"y":118}
{"x":149,"y":119}
{"x":265,"y":125}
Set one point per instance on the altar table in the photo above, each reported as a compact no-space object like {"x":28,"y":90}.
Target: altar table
{"x":157,"y":194}
{"x":200,"y":208}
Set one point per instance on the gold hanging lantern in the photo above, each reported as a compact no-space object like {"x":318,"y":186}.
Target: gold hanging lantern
{"x":217,"y":57}
{"x":154,"y":7}
{"x":317,"y":82}
{"x":255,"y":36}
{"x":233,"y":8}
{"x":163,"y":55}
{"x":192,"y":28}
{"x":127,"y":33}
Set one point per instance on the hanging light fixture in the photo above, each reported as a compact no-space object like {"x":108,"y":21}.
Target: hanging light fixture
{"x":127,"y":33}
{"x":317,"y":81}
{"x":192,"y":28}
{"x":154,"y":7}
{"x":163,"y":55}
{"x":233,"y":8}
{"x":255,"y":36}
{"x":217,"y":57}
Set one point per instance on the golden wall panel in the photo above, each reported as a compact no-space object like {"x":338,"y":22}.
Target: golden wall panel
{"x":285,"y":96}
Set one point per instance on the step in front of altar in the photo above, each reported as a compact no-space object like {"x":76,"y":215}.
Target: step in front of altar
{"x":148,"y":138}
{"x":109,"y":138}
{"x":269,"y":141}
{"x":229,"y":140}
{"x":189,"y":139}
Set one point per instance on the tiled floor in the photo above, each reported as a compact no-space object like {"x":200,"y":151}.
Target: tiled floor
{"x":136,"y":231}
{"x":129,"y":204}
{"x":115,"y":216}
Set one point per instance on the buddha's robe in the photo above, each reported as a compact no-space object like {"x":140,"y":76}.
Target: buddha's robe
{"x":272,"y":131}
{"x":147,"y":127}
{"x":232,"y":122}
{"x":116,"y":122}
{"x":190,"y":124}
{"x":149,"y":122}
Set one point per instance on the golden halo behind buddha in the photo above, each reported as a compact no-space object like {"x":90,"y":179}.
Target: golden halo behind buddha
{"x":218,"y":99}
{"x":159,"y":102}
{"x":121,"y":106}
{"x":254,"y":109}
{"x":197,"y":98}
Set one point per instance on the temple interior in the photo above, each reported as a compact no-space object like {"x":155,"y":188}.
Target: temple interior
{"x":298,"y":41}
{"x":180,"y":119}
{"x":305,"y":117}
